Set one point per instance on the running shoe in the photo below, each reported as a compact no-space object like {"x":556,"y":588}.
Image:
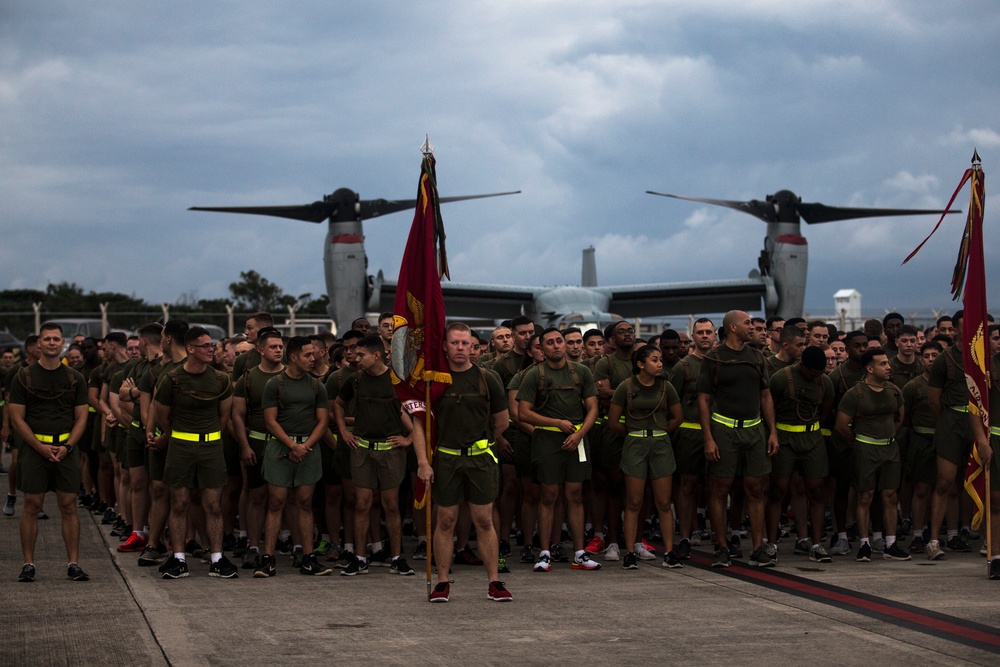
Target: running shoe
{"x":192,"y":547}
{"x":841,"y":547}
{"x":558,"y":554}
{"x":345,"y":560}
{"x":878,"y":545}
{"x":917,"y":545}
{"x":356,"y":567}
{"x":895,"y":552}
{"x":642,"y":552}
{"x":75,"y":573}
{"x":400,"y":566}
{"x":819,"y":554}
{"x":595,"y":545}
{"x":43,"y":515}
{"x":934,"y":550}
{"x":504,"y":547}
{"x":721,"y":558}
{"x":957,"y":543}
{"x":136,"y":543}
{"x":298,"y":556}
{"x":467,"y":556}
{"x":760,"y":558}
{"x":802,"y":547}
{"x":498,"y":593}
{"x":671,"y":560}
{"x":995,"y":569}
{"x":178,"y":569}
{"x":630,"y":562}
{"x":420,"y":553}
{"x":251,"y":560}
{"x":864,"y":553}
{"x":152,"y":555}
{"x":683,"y":549}
{"x":311,"y":566}
{"x":228,"y":542}
{"x":27,"y":573}
{"x":441,"y":592}
{"x":734,"y":546}
{"x":223,"y":569}
{"x":543,"y":564}
{"x":527,"y":554}
{"x":265,"y":568}
{"x":241,"y":547}
{"x":8,"y":509}
{"x":284,"y":546}
{"x":612,"y":552}
{"x":380,"y":558}
{"x":584,"y":562}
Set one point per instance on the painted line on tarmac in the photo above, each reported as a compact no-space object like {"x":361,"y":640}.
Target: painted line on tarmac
{"x":907,"y":616}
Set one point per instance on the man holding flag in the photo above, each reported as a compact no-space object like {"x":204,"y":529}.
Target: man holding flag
{"x":971,"y":359}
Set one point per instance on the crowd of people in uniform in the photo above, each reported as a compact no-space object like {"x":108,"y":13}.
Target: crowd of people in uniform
{"x":295,"y":451}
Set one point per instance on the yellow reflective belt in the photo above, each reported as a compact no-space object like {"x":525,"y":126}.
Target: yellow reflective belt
{"x":735,"y":423}
{"x":798,"y":428}
{"x":959,"y":408}
{"x":197,"y":437}
{"x":576,"y":427}
{"x":924,"y":430}
{"x":648,"y":433}
{"x":52,"y":439}
{"x":136,"y":424}
{"x":600,"y":421}
{"x":873,"y":441}
{"x":691,"y":425}
{"x":375,"y":445}
{"x":90,"y":408}
{"x":994,"y":430}
{"x":826,"y":432}
{"x":475,"y":449}
{"x":257,"y":435}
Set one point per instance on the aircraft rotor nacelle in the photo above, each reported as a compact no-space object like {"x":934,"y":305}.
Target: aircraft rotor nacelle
{"x":789,"y":263}
{"x":345,"y":266}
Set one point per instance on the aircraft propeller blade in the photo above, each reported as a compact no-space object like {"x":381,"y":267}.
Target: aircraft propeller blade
{"x":317,"y":211}
{"x":758,"y":209}
{"x":373,"y":208}
{"x":816,"y":213}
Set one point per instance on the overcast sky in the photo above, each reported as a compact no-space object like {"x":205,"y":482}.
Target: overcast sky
{"x":117,"y":116}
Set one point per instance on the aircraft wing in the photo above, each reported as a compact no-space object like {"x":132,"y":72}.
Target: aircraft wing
{"x":498,"y":302}
{"x":708,"y":296}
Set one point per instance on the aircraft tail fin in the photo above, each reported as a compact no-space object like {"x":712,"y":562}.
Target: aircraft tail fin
{"x":588,"y":277}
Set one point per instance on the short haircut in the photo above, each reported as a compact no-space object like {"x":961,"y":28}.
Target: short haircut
{"x":931,"y":345}
{"x":32,"y":339}
{"x":817,"y":323}
{"x":571,"y":330}
{"x":266,"y":334}
{"x":609,"y":331}
{"x":941,"y":338}
{"x":705,"y":320}
{"x":590,"y":333}
{"x":360,"y":319}
{"x":870,"y":355}
{"x":385,"y":316}
{"x":51,"y":326}
{"x":669,"y":334}
{"x":873,"y":328}
{"x":547,"y":330}
{"x":351,"y":335}
{"x":794,"y":322}
{"x":295,"y":345}
{"x":520,"y":321}
{"x":151,"y":329}
{"x":789,"y":334}
{"x":758,"y":320}
{"x":194,"y":333}
{"x":893,"y":316}
{"x":457,"y":326}
{"x":769,"y":322}
{"x":262,"y":318}
{"x":373,"y":343}
{"x":176,"y":329}
{"x":813,"y":357}
{"x":957,"y":318}
{"x":855,"y":334}
{"x":116,"y":337}
{"x":943,"y":318}
{"x":907,"y":330}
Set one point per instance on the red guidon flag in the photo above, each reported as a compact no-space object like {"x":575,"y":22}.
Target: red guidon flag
{"x":970,"y":272}
{"x":418,"y":360}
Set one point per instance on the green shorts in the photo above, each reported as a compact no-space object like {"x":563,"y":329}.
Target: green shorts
{"x":995,"y":465}
{"x":648,"y":458}
{"x":551,"y":464}
{"x":342,"y":460}
{"x":378,"y":469}
{"x":156,"y":462}
{"x":520,"y":442}
{"x":458,"y":479}
{"x":689,"y":451}
{"x":920,"y":461}
{"x":840,"y":457}
{"x":255,"y":479}
{"x":195,"y":465}
{"x":231,"y":452}
{"x":805,"y":452}
{"x":278,"y":470}
{"x":330,"y":475}
{"x":86,"y":443}
{"x":35,"y":474}
{"x":953,"y":436}
{"x":595,"y":438}
{"x":609,"y":456}
{"x":742,"y":452}
{"x":876,"y":467}
{"x":135,"y":448}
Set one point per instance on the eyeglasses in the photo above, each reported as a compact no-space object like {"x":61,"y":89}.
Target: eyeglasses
{"x":204,"y":346}
{"x":625,"y":331}
{"x":777,"y":330}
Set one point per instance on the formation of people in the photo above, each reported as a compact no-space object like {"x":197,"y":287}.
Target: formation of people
{"x":269,"y":447}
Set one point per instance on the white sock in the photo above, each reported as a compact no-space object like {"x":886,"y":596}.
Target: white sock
{"x":842,"y":535}
{"x":864,"y":540}
{"x":180,"y":556}
{"x":243,"y":534}
{"x":890,"y":540}
{"x":876,"y":535}
{"x":349,"y":546}
{"x":216,"y":556}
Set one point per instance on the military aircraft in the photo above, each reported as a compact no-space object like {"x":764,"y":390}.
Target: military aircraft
{"x":776,"y":287}
{"x":784,"y":261}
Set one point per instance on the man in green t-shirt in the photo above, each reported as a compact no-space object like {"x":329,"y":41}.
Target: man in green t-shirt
{"x":737,"y":424}
{"x":559,"y":398}
{"x":870,"y":414}
{"x":33,"y":353}
{"x":193,"y":404}
{"x":296,"y":414}
{"x":470,"y":413}
{"x":48,"y":412}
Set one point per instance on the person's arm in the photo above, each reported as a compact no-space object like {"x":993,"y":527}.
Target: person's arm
{"x":239,"y":423}
{"x":296,"y":451}
{"x":225,"y":410}
{"x":344,"y":434}
{"x":676,"y":417}
{"x":705,"y":418}
{"x":934,"y":400}
{"x":403,"y":440}
{"x":844,"y":426}
{"x":527,"y":414}
{"x":23,"y":431}
{"x":983,"y":444}
{"x":424,"y":470}
{"x":615,"y":418}
{"x":322,"y":426}
{"x":767,"y":413}
{"x":161,"y":418}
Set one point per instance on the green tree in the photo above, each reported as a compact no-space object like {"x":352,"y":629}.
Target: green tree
{"x":255,"y":292}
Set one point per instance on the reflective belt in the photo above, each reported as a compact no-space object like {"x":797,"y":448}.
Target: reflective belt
{"x":995,"y":430}
{"x":873,"y":441}
{"x":120,"y":425}
{"x":257,"y":435}
{"x":735,"y":423}
{"x":52,"y":439}
{"x":197,"y":437}
{"x":576,"y":427}
{"x":959,"y":408}
{"x":136,"y":424}
{"x":826,"y":432}
{"x":375,"y":445}
{"x":648,"y":433}
{"x":297,"y":439}
{"x":798,"y":428}
{"x":600,"y":421}
{"x":475,"y":449}
{"x":691,"y":425}
{"x":90,"y":408}
{"x":923,"y":430}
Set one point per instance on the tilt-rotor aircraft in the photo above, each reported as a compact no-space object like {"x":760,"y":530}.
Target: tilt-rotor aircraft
{"x":778,"y":287}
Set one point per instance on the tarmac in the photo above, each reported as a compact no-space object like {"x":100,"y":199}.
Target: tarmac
{"x":943,"y":612}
